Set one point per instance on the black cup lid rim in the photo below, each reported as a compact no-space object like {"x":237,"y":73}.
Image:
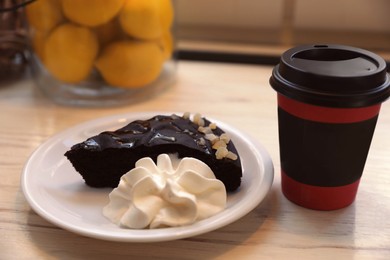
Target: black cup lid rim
{"x":368,"y":54}
{"x":337,"y":101}
{"x":347,"y":98}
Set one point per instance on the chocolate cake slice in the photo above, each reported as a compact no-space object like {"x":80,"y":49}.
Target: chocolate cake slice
{"x":104,"y":158}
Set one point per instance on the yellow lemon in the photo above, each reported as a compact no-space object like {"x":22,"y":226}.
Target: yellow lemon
{"x":44,"y":15}
{"x":109,"y":32}
{"x":167,"y":44}
{"x":146,"y":19}
{"x":91,"y":12}
{"x":70,"y":51}
{"x":38,"y":43}
{"x":130,"y":64}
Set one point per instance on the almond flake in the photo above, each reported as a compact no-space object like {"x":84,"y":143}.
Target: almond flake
{"x":232,"y":156}
{"x":212,"y":138}
{"x":225,"y":137}
{"x":218,"y":144}
{"x":221,"y":153}
{"x":205,"y":130}
{"x":186,"y":115}
{"x":213,"y":126}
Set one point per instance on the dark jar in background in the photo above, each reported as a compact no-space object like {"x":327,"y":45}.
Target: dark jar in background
{"x":101,"y":52}
{"x":13,"y":41}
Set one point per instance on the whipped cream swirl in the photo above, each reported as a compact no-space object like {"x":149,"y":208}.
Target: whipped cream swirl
{"x":172,"y":192}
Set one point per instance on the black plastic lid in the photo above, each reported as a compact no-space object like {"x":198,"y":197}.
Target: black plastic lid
{"x":332,"y":75}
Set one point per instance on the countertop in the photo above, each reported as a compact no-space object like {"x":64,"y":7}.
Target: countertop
{"x":236,"y":94}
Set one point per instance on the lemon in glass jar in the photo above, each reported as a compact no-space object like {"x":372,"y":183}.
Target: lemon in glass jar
{"x":69,"y":52}
{"x":146,"y":19}
{"x":91,"y":12}
{"x":167,"y":44}
{"x":38,"y":39}
{"x":130,"y":63}
{"x":44,"y":15}
{"x":109,"y":32}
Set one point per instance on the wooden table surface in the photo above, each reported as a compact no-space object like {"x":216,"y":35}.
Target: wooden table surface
{"x":238,"y":95}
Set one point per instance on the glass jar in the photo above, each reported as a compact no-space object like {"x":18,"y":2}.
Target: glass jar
{"x":102,"y":52}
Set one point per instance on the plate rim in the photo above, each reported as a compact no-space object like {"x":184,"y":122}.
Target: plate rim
{"x":181,"y":232}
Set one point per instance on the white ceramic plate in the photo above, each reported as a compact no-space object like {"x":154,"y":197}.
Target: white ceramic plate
{"x":58,"y":193}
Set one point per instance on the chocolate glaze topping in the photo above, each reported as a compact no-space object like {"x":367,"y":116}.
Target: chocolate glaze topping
{"x":104,"y":158}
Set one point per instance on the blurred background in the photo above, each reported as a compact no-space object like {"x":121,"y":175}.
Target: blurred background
{"x":241,"y":31}
{"x":267,"y":28}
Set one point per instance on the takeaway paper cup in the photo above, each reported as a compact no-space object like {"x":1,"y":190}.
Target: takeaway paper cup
{"x":329,"y":98}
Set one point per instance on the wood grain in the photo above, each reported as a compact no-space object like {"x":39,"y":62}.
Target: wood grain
{"x":237,"y":94}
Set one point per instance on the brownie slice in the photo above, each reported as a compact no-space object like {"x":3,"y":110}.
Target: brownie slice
{"x":104,"y":158}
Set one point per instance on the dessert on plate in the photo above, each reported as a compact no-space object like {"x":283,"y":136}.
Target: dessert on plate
{"x":103,"y":159}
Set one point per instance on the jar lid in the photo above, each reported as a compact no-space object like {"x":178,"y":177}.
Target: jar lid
{"x":332,"y":75}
